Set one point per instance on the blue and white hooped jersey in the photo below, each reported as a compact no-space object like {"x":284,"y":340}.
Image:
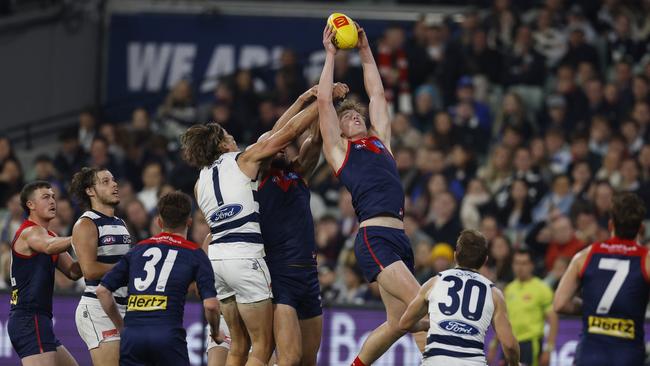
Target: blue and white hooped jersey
{"x":228,"y":199}
{"x":113,"y":242}
{"x":460,"y":312}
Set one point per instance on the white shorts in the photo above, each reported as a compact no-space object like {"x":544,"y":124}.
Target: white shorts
{"x":226,"y":342}
{"x":94,"y":326}
{"x":247,"y":279}
{"x":451,"y":361}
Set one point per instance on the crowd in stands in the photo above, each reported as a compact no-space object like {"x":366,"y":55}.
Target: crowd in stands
{"x":519,"y":122}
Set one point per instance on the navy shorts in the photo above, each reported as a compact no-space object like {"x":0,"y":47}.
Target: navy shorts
{"x":377,"y":247}
{"x":593,"y":352}
{"x":31,"y":334}
{"x":297,"y":287}
{"x":155,"y":345}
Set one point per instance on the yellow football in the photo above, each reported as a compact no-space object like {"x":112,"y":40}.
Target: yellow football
{"x":346,"y":31}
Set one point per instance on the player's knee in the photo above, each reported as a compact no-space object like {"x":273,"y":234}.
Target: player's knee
{"x":289,"y":358}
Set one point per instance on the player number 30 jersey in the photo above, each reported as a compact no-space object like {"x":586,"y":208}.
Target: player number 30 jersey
{"x":460,"y":312}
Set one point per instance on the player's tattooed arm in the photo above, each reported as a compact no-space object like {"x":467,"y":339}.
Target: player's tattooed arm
{"x":105,"y":297}
{"x":40,"y":241}
{"x":69,"y":267}
{"x":84,"y":237}
{"x":565,"y":300}
{"x":411,"y":321}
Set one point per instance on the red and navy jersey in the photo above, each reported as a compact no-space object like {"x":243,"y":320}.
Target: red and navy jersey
{"x":370,"y":174}
{"x":615,"y":292}
{"x":286,"y":221}
{"x":32,"y":278}
{"x":157,"y":273}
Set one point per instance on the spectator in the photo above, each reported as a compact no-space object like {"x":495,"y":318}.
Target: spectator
{"x":425,"y":107}
{"x":12,"y":220}
{"x":393,"y":67}
{"x":513,"y":114}
{"x":465,"y":94}
{"x":140,"y":121}
{"x":497,"y":170}
{"x":444,"y":133}
{"x":481,"y":59}
{"x":444,"y":225}
{"x":524,"y":66}
{"x":100,"y":157}
{"x":581,"y":179}
{"x":327,"y":280}
{"x":560,"y":198}
{"x":153,"y":179}
{"x":621,"y":43}
{"x":516,"y":215}
{"x":500,"y":261}
{"x":65,"y":215}
{"x":328,"y":240}
{"x":87,"y":125}
{"x":355,"y":290}
{"x":137,"y":220}
{"x":11,"y":180}
{"x":563,"y":241}
{"x":178,"y":111}
{"x":403,"y":134}
{"x":423,"y":261}
{"x":70,"y":157}
{"x":557,"y":151}
{"x":6,"y":150}
{"x":115,"y":138}
{"x":44,"y":170}
{"x":475,"y":203}
{"x":578,"y":49}
{"x":442,"y":257}
{"x":413,"y":231}
{"x":549,"y":40}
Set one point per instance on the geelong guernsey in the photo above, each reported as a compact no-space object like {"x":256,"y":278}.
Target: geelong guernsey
{"x":228,"y":199}
{"x":113,"y":242}
{"x":460,"y":312}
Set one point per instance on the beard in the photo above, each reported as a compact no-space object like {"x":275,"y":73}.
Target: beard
{"x":109,"y":200}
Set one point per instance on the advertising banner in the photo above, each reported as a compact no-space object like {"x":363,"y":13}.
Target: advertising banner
{"x":148,"y":53}
{"x":344,"y":331}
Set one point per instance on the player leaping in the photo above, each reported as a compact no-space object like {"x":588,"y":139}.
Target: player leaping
{"x":226,"y":192}
{"x":359,"y":152}
{"x":614,"y":280}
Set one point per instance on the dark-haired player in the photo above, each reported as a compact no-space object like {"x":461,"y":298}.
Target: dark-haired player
{"x":99,"y":239}
{"x":288,"y":232}
{"x":461,"y":304}
{"x":613,"y":276}
{"x":226,"y":192}
{"x":357,"y":148}
{"x":158,"y":272}
{"x":35,"y":253}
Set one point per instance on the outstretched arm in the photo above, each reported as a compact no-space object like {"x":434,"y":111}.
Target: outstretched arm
{"x":565,"y":300}
{"x":311,"y":147}
{"x":378,"y":108}
{"x":327,"y":118}
{"x":304,"y":99}
{"x":249,"y":161}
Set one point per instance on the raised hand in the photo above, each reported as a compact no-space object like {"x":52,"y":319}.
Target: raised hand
{"x":340,"y":91}
{"x":309,"y":94}
{"x":328,"y":34}
{"x":362,"y":43}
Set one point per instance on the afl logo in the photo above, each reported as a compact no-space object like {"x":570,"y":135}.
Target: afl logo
{"x":458,"y":327}
{"x":378,"y":144}
{"x":108,"y":239}
{"x":226,"y":212}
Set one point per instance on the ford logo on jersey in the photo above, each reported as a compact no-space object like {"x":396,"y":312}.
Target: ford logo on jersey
{"x":458,"y":327}
{"x":226,"y":212}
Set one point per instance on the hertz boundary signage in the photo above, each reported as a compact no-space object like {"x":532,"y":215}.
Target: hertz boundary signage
{"x":344,"y":331}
